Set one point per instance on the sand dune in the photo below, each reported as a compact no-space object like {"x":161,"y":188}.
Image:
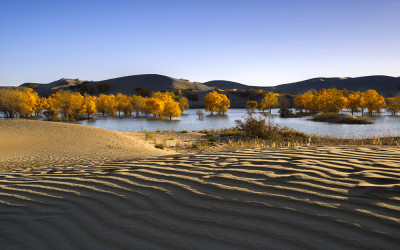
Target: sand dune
{"x":32,"y":144}
{"x":309,"y":197}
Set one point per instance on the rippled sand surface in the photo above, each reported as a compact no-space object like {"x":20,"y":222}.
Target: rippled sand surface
{"x":308,"y":197}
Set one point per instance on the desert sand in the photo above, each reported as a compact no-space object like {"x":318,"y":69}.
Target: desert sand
{"x":32,"y":144}
{"x":303,"y":197}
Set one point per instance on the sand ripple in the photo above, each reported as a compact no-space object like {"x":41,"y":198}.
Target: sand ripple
{"x":310,"y":197}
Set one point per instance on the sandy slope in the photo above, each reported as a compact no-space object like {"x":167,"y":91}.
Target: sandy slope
{"x":27,"y":143}
{"x":309,"y":197}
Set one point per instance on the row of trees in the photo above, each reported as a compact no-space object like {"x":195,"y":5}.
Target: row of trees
{"x":71,"y":105}
{"x":333,"y":100}
{"x":330,"y":101}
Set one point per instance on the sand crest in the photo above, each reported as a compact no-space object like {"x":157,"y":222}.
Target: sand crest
{"x":307,"y":197}
{"x":32,"y":144}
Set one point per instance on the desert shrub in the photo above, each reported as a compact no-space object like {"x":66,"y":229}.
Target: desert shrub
{"x":212,"y":138}
{"x":258,"y":127}
{"x":149,"y":135}
{"x":184,"y":131}
{"x":161,"y":145}
{"x":252,"y":126}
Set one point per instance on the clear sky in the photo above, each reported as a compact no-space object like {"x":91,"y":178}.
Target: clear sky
{"x":252,"y":42}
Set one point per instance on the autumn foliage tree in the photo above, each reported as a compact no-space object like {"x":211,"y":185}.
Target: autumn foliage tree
{"x":70,"y":104}
{"x":269,"y":101}
{"x":183,"y":103}
{"x":373,"y":101}
{"x":309,"y":100}
{"x":215,"y":102}
{"x":154,"y":106}
{"x":89,"y":105}
{"x":18,"y":101}
{"x":354,"y":100}
{"x":106,"y":104}
{"x":123,"y":103}
{"x":251,"y":105}
{"x":171,"y":109}
{"x":330,"y":100}
{"x":138,"y":104}
{"x":393,"y":104}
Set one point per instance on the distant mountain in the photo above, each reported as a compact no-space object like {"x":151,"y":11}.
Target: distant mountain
{"x":125,"y":85}
{"x":153,"y":82}
{"x":385,"y":85}
{"x":222,"y":84}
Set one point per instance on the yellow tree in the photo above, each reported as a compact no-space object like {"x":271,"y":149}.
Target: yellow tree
{"x":330,"y":100}
{"x":354,"y":101}
{"x":89,"y":105}
{"x":309,"y":100}
{"x":54,"y":106}
{"x":71,"y":104}
{"x":138,"y":104}
{"x":154,"y":106}
{"x":223,"y":104}
{"x":18,"y":101}
{"x":269,"y":101}
{"x":123,"y":103}
{"x":41,"y":105}
{"x":171,"y":109}
{"x":8,"y":99}
{"x":164,"y":96}
{"x":183,"y":103}
{"x":252,"y":105}
{"x":393,"y":104}
{"x":211,"y":101}
{"x":298,"y":102}
{"x":28,"y":103}
{"x":105,"y":104}
{"x":373,"y":101}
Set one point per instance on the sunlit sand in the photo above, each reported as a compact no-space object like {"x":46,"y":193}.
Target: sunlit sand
{"x":83,"y":191}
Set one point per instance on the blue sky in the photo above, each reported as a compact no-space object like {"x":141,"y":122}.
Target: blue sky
{"x":253,"y":42}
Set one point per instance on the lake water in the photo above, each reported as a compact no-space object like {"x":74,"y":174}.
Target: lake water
{"x":384,"y":124}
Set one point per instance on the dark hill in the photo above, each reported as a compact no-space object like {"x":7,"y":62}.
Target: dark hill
{"x":385,"y":85}
{"x":125,"y":85}
{"x":222,"y":84}
{"x":153,"y":82}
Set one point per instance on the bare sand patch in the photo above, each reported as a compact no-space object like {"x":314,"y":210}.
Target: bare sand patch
{"x":32,"y":144}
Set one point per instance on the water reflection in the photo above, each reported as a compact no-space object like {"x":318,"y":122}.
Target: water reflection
{"x":384,"y":124}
